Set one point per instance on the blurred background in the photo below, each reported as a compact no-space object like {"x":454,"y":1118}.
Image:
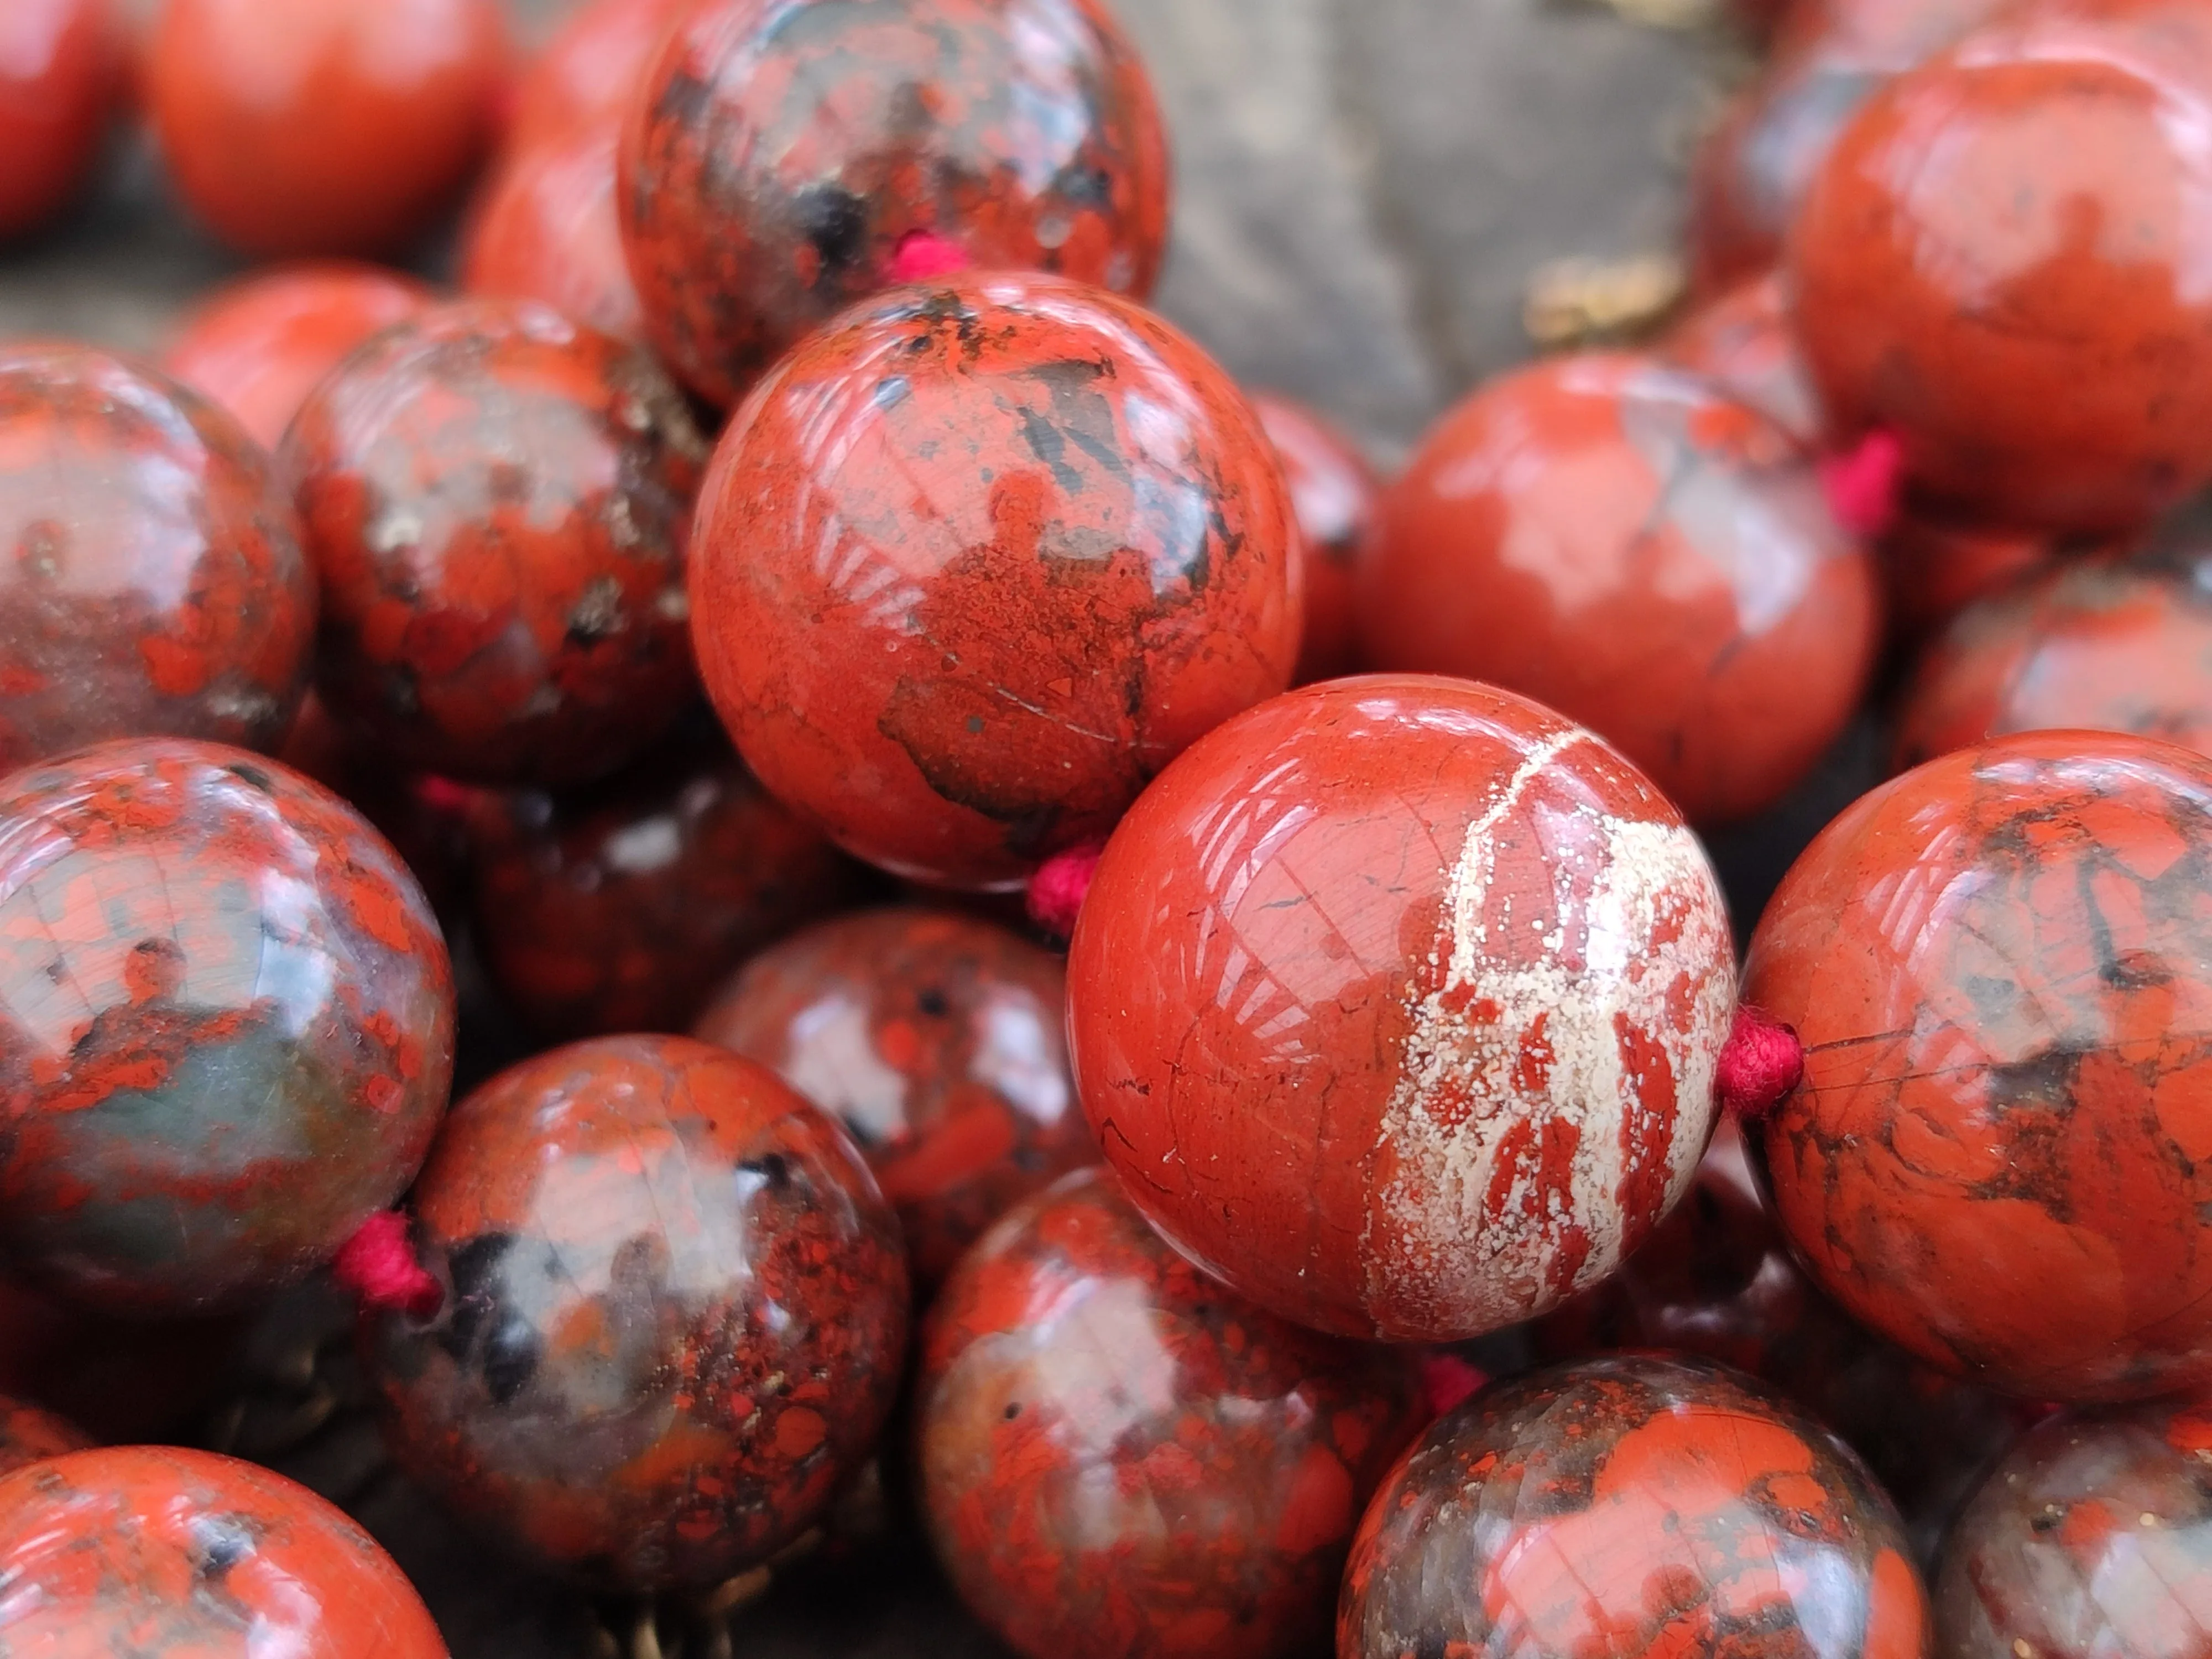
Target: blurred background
{"x":1370,"y":191}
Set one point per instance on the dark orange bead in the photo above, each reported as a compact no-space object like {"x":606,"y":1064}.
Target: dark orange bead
{"x":1741,"y":341}
{"x":229,"y":1030}
{"x":675,"y":1314}
{"x":2104,"y":645}
{"x":777,"y":156}
{"x":938,"y":1040}
{"x":498,"y":501}
{"x":159,"y":1551}
{"x":1122,"y":1460}
{"x":1934,"y":567}
{"x":2000,"y":262}
{"x":61,"y":74}
{"x":1625,"y":543}
{"x":152,"y":579}
{"x":2000,"y":967}
{"x":1396,"y":1002}
{"x":544,"y":228}
{"x":1630,"y":1506}
{"x":978,"y":560}
{"x":259,"y":346}
{"x":1749,"y":179}
{"x":1333,"y":492}
{"x":324,"y":127}
{"x":621,"y":906}
{"x":590,"y":70}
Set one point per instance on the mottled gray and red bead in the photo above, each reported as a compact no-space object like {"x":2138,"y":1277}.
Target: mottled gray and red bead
{"x":1396,"y":1002}
{"x":226,"y":1025}
{"x":1631,"y":1508}
{"x":151,"y":575}
{"x":674,"y":1314}
{"x":2092,"y":1538}
{"x":939,"y":1040}
{"x":778,"y":157}
{"x":1120,"y":1461}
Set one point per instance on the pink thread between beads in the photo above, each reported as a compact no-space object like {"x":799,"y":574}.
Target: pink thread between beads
{"x":378,"y":1264}
{"x":1760,"y":1063}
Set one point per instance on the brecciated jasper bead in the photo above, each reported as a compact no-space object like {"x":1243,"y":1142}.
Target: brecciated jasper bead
{"x":2091,"y":1538}
{"x":1627,"y":1506}
{"x":675,"y":1314}
{"x":1120,"y":1461}
{"x":2001,"y":1154}
{"x":226,"y":1025}
{"x":977,"y":559}
{"x":176,"y":1555}
{"x":1396,"y":1002}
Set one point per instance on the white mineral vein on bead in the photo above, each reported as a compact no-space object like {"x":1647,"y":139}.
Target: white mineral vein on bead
{"x":1474,"y":1272}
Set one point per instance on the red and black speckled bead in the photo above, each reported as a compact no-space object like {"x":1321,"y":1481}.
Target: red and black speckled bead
{"x":2001,"y":1154}
{"x":1122,"y":1460}
{"x":2092,"y":1538}
{"x":675,"y":1314}
{"x":2051,"y":366}
{"x":164,"y":1554}
{"x":544,"y":227}
{"x":1633,"y":1508}
{"x":621,"y":906}
{"x":151,"y":577}
{"x":2106,"y":645}
{"x":226,"y":1024}
{"x":1629,"y":545}
{"x":498,"y":501}
{"x":1717,"y":1280}
{"x":939,"y":1040}
{"x":777,"y":156}
{"x":1397,"y":1002}
{"x":29,"y":1435}
{"x":1334,"y":493}
{"x":978,"y":559}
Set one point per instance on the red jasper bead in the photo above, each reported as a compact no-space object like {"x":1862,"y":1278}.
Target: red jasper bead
{"x":1933,"y":567}
{"x":2107,"y":645}
{"x":156,"y":582}
{"x":1630,"y":1506}
{"x":61,"y":72}
{"x":1120,"y":1460}
{"x":29,"y":1435}
{"x":259,"y":346}
{"x":938,"y":1040}
{"x":229,"y":1030}
{"x":498,"y":501}
{"x":1396,"y":1003}
{"x":590,"y":70}
{"x":158,"y":1549}
{"x":1750,"y":177}
{"x":1717,"y":1280}
{"x":342,"y":126}
{"x":621,"y":908}
{"x":1742,"y":342}
{"x":2093,"y":1537}
{"x":777,"y":157}
{"x":977,"y":562}
{"x":674,"y":1319}
{"x":2000,"y":967}
{"x":544,"y":230}
{"x":2052,"y":367}
{"x":1333,"y":493}
{"x":1624,"y":543}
